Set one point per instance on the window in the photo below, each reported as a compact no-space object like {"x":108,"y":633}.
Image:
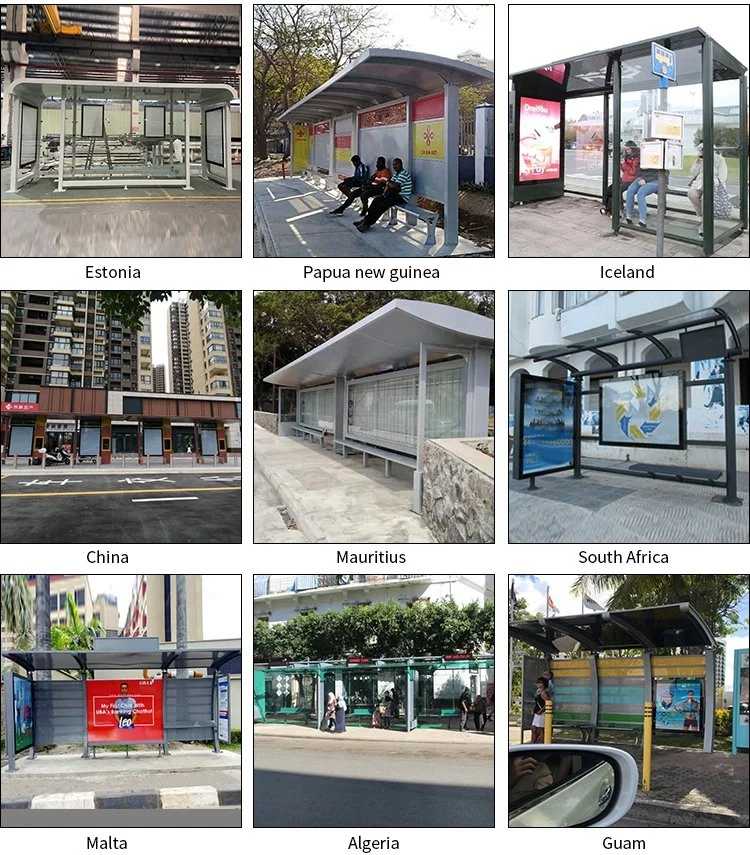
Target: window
{"x":220,"y":384}
{"x":537,"y":303}
{"x":80,"y":597}
{"x":61,"y":360}
{"x":99,"y":348}
{"x":115,"y":375}
{"x":132,"y":406}
{"x":100,"y":319}
{"x":100,"y":364}
{"x":145,"y":378}
{"x":217,"y":360}
{"x":24,"y":397}
{"x":58,"y":378}
{"x":212,"y":348}
{"x":215,"y":336}
{"x":61,"y":343}
{"x":214,"y":314}
{"x":145,"y":339}
{"x":576,"y":298}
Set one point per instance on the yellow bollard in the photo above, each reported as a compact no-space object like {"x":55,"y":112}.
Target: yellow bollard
{"x":648,"y":720}
{"x":548,"y":722}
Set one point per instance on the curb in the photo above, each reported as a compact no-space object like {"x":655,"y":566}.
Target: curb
{"x":309,"y":733}
{"x":164,"y":798}
{"x":685,"y":816}
{"x":260,"y":222}
{"x":311,"y":531}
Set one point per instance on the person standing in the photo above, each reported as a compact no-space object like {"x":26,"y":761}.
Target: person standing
{"x":331,"y":712}
{"x":540,"y":697}
{"x":480,"y":711}
{"x":464,"y":702}
{"x":397,"y":191}
{"x":548,"y":676}
{"x":340,"y":715}
{"x":385,"y":711}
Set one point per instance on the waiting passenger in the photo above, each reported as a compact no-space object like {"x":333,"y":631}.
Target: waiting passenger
{"x":645,"y":183}
{"x":350,"y":185}
{"x":695,"y":187}
{"x":397,"y":191}
{"x":374,"y":187}
{"x":628,"y":169}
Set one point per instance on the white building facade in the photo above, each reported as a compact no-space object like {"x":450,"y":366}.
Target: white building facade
{"x":540,"y":321}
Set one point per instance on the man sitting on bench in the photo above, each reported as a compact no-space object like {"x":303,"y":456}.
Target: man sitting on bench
{"x":375,"y":187}
{"x":397,"y":191}
{"x":350,"y":185}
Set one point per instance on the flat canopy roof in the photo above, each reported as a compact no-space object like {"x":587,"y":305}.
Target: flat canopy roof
{"x":225,"y":659}
{"x":675,"y":625}
{"x":41,"y":88}
{"x":386,"y":338}
{"x":378,"y":76}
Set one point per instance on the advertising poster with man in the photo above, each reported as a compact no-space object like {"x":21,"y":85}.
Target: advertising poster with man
{"x":678,"y":705}
{"x":125,"y":710}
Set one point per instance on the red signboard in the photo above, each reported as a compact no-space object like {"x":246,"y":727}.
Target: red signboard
{"x":359,"y":660}
{"x":395,"y":114}
{"x":431,"y":107}
{"x":125,"y":710}
{"x":452,"y":657}
{"x":17,"y":407}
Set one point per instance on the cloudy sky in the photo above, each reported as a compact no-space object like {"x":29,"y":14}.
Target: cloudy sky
{"x":534,"y":590}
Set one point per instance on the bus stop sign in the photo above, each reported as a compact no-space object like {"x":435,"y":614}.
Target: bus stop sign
{"x":663,"y":62}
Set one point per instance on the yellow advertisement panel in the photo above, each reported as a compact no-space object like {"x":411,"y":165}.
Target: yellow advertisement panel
{"x":299,"y":147}
{"x":428,"y":139}
{"x":344,"y":160}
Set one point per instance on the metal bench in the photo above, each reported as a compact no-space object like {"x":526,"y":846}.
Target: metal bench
{"x":449,"y":714}
{"x":295,"y":711}
{"x":590,"y":732}
{"x":359,"y":714}
{"x":305,"y":430}
{"x":366,"y":450}
{"x":678,"y":473}
{"x":413,"y":214}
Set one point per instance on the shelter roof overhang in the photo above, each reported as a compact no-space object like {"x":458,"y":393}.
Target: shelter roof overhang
{"x":378,"y":76}
{"x":650,"y":332}
{"x":226,"y":659}
{"x":385,"y":339}
{"x":40,"y":89}
{"x":674,"y":625}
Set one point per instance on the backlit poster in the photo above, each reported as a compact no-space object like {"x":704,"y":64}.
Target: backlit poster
{"x":223,"y":687}
{"x":23,"y":713}
{"x":678,"y":705}
{"x":539,"y":140}
{"x":647,"y":411}
{"x":544,"y":435}
{"x":125,"y":710}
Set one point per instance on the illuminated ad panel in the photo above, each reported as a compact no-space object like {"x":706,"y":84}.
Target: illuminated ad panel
{"x":645,"y":411}
{"x":539,"y":140}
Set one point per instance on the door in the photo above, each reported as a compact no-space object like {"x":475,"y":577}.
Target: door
{"x":287,"y":409}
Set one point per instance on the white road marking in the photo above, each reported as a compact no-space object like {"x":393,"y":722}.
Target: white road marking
{"x":144,"y":480}
{"x":220,"y":478}
{"x":168,"y":499}
{"x":37,"y":483}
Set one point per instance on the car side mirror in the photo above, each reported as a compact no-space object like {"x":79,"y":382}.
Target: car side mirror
{"x":561,"y":786}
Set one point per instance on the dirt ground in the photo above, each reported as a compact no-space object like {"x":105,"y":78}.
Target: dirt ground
{"x":476,"y":217}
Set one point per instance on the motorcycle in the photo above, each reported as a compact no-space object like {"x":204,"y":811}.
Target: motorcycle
{"x":58,"y":456}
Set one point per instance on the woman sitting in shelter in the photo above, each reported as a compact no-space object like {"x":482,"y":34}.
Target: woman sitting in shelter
{"x":722,"y":203}
{"x":645,"y":183}
{"x":628,"y":169}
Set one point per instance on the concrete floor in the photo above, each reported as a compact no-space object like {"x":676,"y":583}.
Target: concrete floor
{"x":142,"y":222}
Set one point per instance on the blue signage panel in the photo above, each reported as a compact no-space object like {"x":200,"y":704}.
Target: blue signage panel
{"x":544,"y":426}
{"x":741,"y":705}
{"x":663,"y":62}
{"x":678,"y":705}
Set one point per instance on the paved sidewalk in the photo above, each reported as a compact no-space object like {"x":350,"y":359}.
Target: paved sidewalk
{"x":292,"y":220}
{"x":572,"y":227}
{"x":431,"y":736}
{"x":609,"y":508}
{"x":333,"y":500}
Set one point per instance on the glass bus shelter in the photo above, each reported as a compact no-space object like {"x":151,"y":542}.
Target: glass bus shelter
{"x":569,"y":121}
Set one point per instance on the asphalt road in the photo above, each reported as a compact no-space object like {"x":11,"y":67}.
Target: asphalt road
{"x":58,"y":505}
{"x":339,"y":784}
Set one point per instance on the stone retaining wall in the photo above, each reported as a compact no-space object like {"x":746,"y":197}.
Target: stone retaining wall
{"x":269,"y":421}
{"x":458,"y":490}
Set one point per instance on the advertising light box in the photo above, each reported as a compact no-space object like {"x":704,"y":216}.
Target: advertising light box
{"x":544,"y":432}
{"x":125,"y":711}
{"x":666,"y":126}
{"x":539,"y":140}
{"x":678,"y":705}
{"x":643,"y":411}
{"x":23,"y":713}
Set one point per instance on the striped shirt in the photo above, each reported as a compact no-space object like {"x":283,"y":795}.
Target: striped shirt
{"x":403,"y":179}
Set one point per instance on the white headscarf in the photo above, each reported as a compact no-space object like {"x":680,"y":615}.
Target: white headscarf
{"x":331,"y":697}
{"x":342,"y":703}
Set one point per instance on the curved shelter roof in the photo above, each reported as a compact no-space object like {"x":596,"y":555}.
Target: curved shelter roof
{"x":385,"y":338}
{"x":675,"y":625}
{"x":378,"y":76}
{"x":225,"y":659}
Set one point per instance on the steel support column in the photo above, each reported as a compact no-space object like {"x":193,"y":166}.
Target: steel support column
{"x":450,"y":207}
{"x":187,"y":142}
{"x":416,"y":499}
{"x":62,"y":142}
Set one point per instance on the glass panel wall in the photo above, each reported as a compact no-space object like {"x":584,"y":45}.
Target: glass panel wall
{"x":726,"y":122}
{"x":584,"y":145}
{"x":317,"y":407}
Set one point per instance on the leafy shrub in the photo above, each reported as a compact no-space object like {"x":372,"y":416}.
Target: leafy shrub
{"x":723,"y":722}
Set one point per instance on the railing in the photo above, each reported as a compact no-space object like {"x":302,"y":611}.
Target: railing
{"x":266,"y":584}
{"x":466,"y":135}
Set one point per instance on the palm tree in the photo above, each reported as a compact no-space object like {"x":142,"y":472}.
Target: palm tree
{"x":75,"y":634}
{"x":16,"y":608}
{"x":41,"y":608}
{"x":181,"y":621}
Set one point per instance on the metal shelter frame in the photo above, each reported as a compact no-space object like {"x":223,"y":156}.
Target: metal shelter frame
{"x":396,"y":337}
{"x":33,"y":92}
{"x":635,"y":629}
{"x":601,"y":73}
{"x":716,"y":317}
{"x":228,"y":659}
{"x":384,"y":78}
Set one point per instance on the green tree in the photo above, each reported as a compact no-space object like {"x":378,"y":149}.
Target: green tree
{"x":470,"y":96}
{"x":130,"y":306}
{"x":75,"y":633}
{"x":17,"y":609}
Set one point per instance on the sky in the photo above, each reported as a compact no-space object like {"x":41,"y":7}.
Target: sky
{"x":160,"y":333}
{"x":568,"y":30}
{"x":534,"y":590}
{"x":420,"y":29}
{"x":221,"y":601}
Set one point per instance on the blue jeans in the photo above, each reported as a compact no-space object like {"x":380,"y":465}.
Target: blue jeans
{"x":640,"y":190}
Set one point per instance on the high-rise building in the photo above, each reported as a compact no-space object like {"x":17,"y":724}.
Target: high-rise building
{"x":159,"y":379}
{"x":179,"y":365}
{"x":234,"y":342}
{"x":153,"y":607}
{"x":209,"y":349}
{"x":63,"y":338}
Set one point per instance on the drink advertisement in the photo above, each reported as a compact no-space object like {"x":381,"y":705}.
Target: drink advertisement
{"x":125,"y":710}
{"x":678,"y":705}
{"x":539,"y":140}
{"x":23,"y":713}
{"x":545,"y":441}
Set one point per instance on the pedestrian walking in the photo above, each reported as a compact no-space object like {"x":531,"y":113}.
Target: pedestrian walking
{"x":464,"y":702}
{"x":340,"y":715}
{"x":331,"y":712}
{"x":480,"y":712}
{"x":540,"y":697}
{"x":385,"y":711}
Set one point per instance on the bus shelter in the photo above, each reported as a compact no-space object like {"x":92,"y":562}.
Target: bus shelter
{"x":409,"y":371}
{"x":425,"y":689}
{"x":597,"y":693}
{"x":391,"y":104}
{"x":87,"y":156}
{"x":81,"y":709}
{"x":554,"y":149}
{"x":642,"y":403}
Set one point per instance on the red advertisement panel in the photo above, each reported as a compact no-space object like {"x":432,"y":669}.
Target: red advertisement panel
{"x":430,"y":107}
{"x":395,"y":114}
{"x":125,"y":710}
{"x":539,"y":140}
{"x":18,"y":407}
